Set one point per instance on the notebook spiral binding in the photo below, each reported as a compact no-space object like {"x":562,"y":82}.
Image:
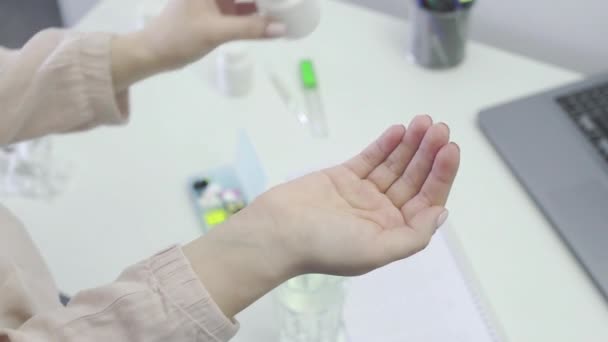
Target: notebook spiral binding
{"x":474,"y":288}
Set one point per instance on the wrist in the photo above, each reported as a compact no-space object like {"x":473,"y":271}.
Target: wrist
{"x":132,"y":60}
{"x":241,"y":261}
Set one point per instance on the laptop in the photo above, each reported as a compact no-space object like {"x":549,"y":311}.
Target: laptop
{"x":556,"y":143}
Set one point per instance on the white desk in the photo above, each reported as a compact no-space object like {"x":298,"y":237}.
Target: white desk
{"x":127,"y":198}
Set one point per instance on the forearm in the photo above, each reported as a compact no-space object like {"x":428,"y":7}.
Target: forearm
{"x":182,"y":33}
{"x":241,"y":261}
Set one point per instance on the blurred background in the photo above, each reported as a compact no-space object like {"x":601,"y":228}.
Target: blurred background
{"x":566,"y":33}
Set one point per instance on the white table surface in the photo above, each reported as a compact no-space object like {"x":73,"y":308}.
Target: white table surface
{"x":127,"y":197}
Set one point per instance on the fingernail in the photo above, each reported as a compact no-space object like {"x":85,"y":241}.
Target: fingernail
{"x":457,"y":146}
{"x":442,"y":218}
{"x":276,"y":29}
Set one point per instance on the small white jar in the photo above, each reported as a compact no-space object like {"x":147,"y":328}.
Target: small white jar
{"x":235,"y":70}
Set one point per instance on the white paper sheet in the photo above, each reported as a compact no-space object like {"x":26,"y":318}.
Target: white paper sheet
{"x":425,"y":298}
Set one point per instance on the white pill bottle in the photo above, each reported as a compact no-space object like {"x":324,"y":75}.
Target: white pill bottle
{"x":300,"y":16}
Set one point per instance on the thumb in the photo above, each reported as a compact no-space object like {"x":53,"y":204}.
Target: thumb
{"x":429,"y":220}
{"x":249,"y":27}
{"x":400,"y":243}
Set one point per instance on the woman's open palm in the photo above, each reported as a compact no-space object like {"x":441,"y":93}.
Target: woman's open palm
{"x":383,"y":205}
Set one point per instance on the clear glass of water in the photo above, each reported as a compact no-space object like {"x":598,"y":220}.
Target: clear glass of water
{"x":311,"y":309}
{"x":28,"y":169}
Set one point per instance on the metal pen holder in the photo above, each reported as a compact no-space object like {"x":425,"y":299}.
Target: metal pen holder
{"x":438,"y":39}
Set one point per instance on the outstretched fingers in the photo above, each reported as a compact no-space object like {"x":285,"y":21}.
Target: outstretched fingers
{"x":409,"y":184}
{"x":395,"y":164}
{"x":375,"y":154}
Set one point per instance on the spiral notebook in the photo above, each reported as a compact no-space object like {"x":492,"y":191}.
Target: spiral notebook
{"x":430,"y":297}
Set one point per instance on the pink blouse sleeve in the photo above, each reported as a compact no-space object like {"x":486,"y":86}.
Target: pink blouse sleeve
{"x":160,"y":299}
{"x":60,"y":81}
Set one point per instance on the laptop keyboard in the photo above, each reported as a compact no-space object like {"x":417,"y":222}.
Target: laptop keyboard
{"x":589,"y":109}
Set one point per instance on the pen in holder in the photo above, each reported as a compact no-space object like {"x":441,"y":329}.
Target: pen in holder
{"x":439,"y":32}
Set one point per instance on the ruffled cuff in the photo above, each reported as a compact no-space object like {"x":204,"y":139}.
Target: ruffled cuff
{"x":95,"y":58}
{"x":176,"y":279}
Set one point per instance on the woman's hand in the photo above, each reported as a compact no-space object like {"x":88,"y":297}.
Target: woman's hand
{"x":381,"y":206}
{"x":184,"y":32}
